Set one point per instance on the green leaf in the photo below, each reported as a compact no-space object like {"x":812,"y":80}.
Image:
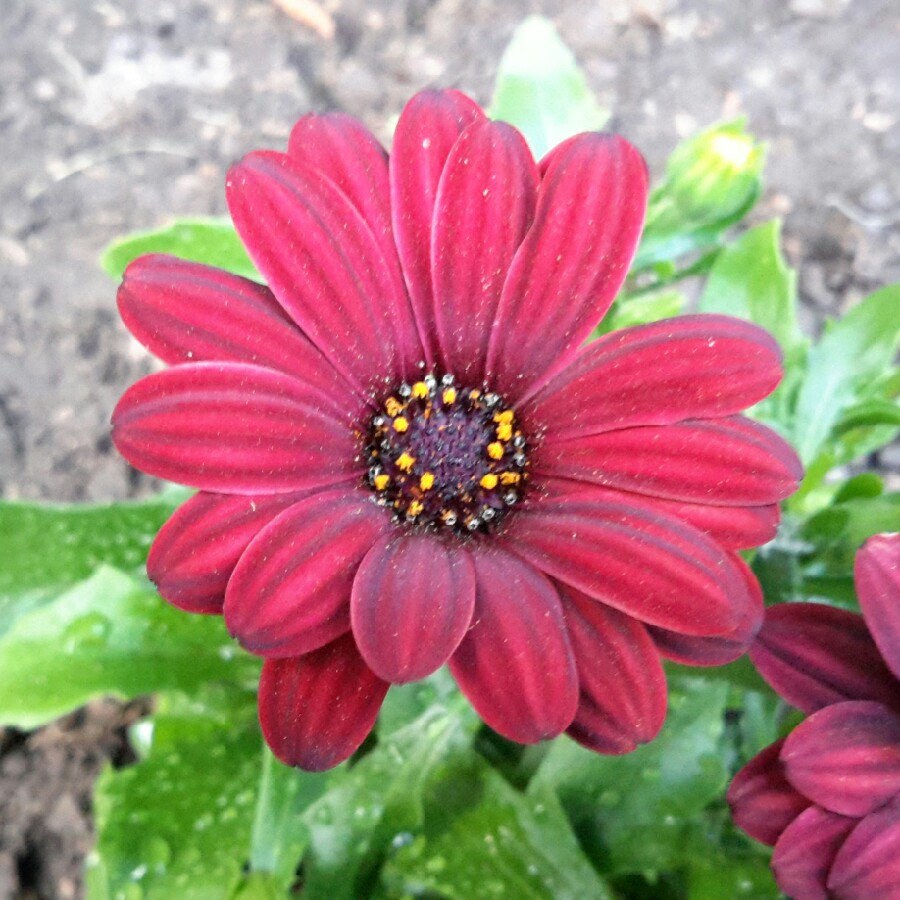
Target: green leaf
{"x":47,"y":549}
{"x":482,"y":838}
{"x":631,"y":310}
{"x":750,"y":280}
{"x":279,"y":837}
{"x":210,"y":241}
{"x":379,"y":802}
{"x":854,"y":352}
{"x":541,"y":90}
{"x":712,"y":181}
{"x":638,"y":813}
{"x":868,"y":413}
{"x":178,"y":823}
{"x":112,"y":635}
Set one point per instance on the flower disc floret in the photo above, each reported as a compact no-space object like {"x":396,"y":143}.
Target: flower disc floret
{"x":447,"y":457}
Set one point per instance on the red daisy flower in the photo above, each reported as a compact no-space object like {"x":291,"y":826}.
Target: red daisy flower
{"x":828,"y":796}
{"x":406,"y":457}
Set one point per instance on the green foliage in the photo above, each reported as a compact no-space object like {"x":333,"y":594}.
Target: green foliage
{"x":110,"y":634}
{"x":750,"y":280}
{"x":712,"y":181}
{"x":541,"y":90}
{"x":380,"y":801}
{"x":845,"y":373}
{"x":47,"y":549}
{"x":178,"y":824}
{"x":640,"y":812}
{"x":483,"y":838}
{"x":210,"y":241}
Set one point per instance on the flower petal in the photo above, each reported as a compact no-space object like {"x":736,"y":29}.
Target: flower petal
{"x":623,"y":686}
{"x":867,"y":866}
{"x":234,"y":428}
{"x":515,"y":664}
{"x":689,"y":367}
{"x":814,"y":655}
{"x":645,"y":564}
{"x":427,"y":130}
{"x":488,"y":189}
{"x":290,"y":592}
{"x":805,"y":852}
{"x":412,"y":602}
{"x":721,"y":462}
{"x":763,"y":802}
{"x":717,"y":651}
{"x":196,"y":551}
{"x":325,"y":266}
{"x":573,"y":261}
{"x":732,"y":527}
{"x":877,"y":576}
{"x":342,"y":148}
{"x":846,"y":757}
{"x":185,"y":312}
{"x":315,"y":710}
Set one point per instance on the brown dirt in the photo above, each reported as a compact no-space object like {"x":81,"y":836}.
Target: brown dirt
{"x":117,"y":114}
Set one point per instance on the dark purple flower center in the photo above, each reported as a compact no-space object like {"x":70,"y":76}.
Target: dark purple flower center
{"x":446,"y":457}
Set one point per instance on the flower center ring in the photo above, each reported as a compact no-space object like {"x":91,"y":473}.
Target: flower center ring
{"x":446,"y":457}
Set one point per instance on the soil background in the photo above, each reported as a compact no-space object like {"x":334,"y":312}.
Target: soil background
{"x":117,"y":114}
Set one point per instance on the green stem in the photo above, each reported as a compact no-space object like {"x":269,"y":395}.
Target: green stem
{"x":263,"y":837}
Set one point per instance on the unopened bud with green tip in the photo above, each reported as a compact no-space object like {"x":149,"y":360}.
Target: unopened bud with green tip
{"x":716,"y":174}
{"x":712,"y":181}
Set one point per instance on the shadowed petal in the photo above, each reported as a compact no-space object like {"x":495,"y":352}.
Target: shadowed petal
{"x":805,"y":851}
{"x":484,"y":206}
{"x":290,"y":592}
{"x":573,"y":261}
{"x":196,"y":551}
{"x":723,"y":462}
{"x":846,"y":757}
{"x":689,"y":367}
{"x":185,"y":312}
{"x":412,"y":602}
{"x":324,"y":265}
{"x":315,"y":710}
{"x":814,"y":655}
{"x":867,"y":866}
{"x":877,"y":576}
{"x":234,"y":428}
{"x":645,"y":564}
{"x":763,"y":802}
{"x":717,"y":651}
{"x":427,"y":130}
{"x":515,"y":664}
{"x":623,"y":686}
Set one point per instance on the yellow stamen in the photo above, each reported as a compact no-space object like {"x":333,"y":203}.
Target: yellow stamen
{"x":510,"y":477}
{"x":414,"y":508}
{"x":420,"y":390}
{"x":474,"y":395}
{"x":426,"y":482}
{"x":393,"y":406}
{"x":489,"y":481}
{"x":400,"y":424}
{"x":449,"y":396}
{"x":495,"y":450}
{"x":405,"y":462}
{"x":507,"y":417}
{"x":504,"y":431}
{"x":382,"y":481}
